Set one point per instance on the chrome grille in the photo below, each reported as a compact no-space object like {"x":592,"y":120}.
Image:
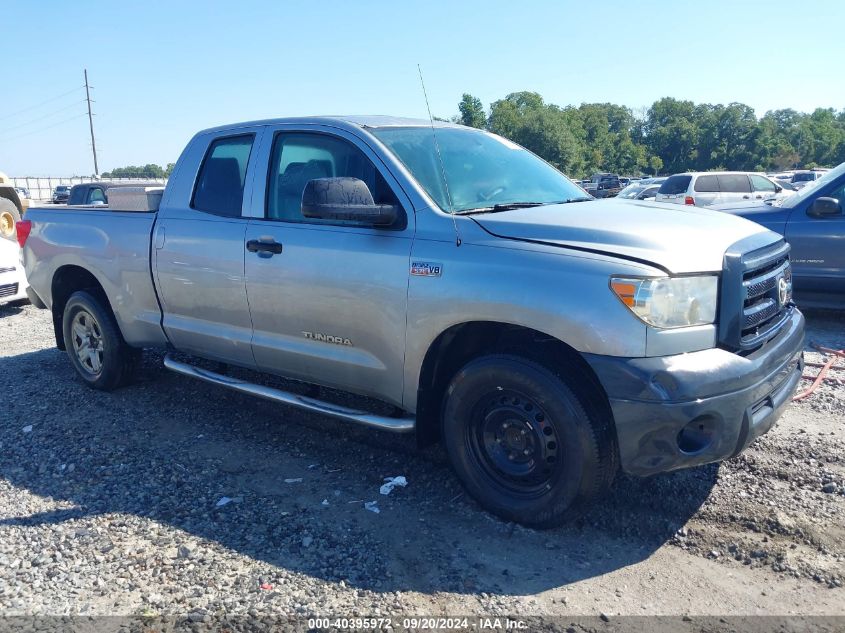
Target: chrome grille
{"x":8,"y":270}
{"x":9,"y":290}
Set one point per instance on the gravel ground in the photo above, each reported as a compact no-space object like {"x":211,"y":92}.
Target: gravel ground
{"x":173,"y":497}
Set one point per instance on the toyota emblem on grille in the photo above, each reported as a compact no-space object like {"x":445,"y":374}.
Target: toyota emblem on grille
{"x":783,"y":291}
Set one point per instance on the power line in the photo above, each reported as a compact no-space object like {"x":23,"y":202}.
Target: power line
{"x":47,"y":127}
{"x":38,"y":105}
{"x":45,"y":116}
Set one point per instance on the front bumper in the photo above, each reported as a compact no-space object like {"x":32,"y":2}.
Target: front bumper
{"x":679,"y":411}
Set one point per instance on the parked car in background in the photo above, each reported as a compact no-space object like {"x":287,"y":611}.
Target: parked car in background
{"x":704,"y":189}
{"x":12,"y":277}
{"x":23,"y":192}
{"x":813,"y":223}
{"x":603,"y":185}
{"x":12,"y":208}
{"x":329,"y":250}
{"x":803,"y":178}
{"x":60,"y":194}
{"x":97,"y":192}
{"x":645,"y":189}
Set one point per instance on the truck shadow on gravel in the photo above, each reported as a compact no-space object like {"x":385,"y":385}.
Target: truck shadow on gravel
{"x":173,"y":450}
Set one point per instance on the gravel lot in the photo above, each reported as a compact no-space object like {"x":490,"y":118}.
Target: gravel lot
{"x":116,"y":504}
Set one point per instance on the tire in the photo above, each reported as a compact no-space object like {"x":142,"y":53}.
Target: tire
{"x":9,"y":216}
{"x":523,"y":444}
{"x":95,"y":345}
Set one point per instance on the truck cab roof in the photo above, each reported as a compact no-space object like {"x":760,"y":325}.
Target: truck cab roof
{"x":341,"y":121}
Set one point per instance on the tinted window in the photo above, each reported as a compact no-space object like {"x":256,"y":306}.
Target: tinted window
{"x":220,"y":184}
{"x":762,"y":184}
{"x":806,"y":177}
{"x":298,"y":158}
{"x":734,"y":183}
{"x":706,"y":184}
{"x":77,"y":195}
{"x":675,"y":185}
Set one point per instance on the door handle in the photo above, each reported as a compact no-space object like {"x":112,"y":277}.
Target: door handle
{"x":745,"y":197}
{"x":759,"y":197}
{"x":261,"y":247}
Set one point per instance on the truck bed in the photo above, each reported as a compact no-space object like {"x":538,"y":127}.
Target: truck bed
{"x":113,"y":246}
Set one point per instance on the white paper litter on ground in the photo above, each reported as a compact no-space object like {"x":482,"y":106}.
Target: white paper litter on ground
{"x":392,"y":482}
{"x":27,"y":428}
{"x":372,"y":506}
{"x":295,"y":480}
{"x":223,"y":501}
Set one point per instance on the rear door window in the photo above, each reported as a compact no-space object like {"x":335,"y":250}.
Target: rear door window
{"x":77,"y":195}
{"x":707,"y":184}
{"x":220,"y":184}
{"x":675,"y":185}
{"x":734,"y":183}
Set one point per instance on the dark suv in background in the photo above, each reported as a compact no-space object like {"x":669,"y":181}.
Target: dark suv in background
{"x":60,"y":194}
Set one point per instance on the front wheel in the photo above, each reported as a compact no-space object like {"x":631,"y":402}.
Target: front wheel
{"x":95,"y":345}
{"x":523,"y":444}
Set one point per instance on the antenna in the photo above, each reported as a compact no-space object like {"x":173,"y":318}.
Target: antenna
{"x":440,"y":160}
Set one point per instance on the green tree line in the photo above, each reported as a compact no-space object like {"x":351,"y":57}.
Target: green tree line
{"x":147,"y":171}
{"x":672,"y":135}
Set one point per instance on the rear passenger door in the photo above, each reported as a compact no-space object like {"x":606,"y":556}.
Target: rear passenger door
{"x":328,"y":302}
{"x":734,"y":188}
{"x":198,"y":246}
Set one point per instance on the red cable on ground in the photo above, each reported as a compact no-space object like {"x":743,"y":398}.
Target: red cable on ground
{"x":822,"y":372}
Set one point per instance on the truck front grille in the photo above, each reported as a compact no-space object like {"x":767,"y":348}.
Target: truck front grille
{"x":756,"y":293}
{"x":9,"y":290}
{"x":8,"y":270}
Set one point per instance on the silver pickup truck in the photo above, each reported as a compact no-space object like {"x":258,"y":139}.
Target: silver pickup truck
{"x":546,"y":338}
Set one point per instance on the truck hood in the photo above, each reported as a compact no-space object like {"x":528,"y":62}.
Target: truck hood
{"x":678,"y":239}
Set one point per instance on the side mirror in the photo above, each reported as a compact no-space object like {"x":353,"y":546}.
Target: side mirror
{"x":345,"y":199}
{"x":824,"y":208}
{"x":778,"y":188}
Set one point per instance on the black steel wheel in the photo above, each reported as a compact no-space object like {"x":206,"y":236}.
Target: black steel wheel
{"x":522,"y":442}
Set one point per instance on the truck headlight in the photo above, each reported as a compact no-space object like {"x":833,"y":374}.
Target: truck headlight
{"x":670,"y":302}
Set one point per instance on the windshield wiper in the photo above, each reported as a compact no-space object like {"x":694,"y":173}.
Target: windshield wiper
{"x":504,"y":206}
{"x":509,"y":206}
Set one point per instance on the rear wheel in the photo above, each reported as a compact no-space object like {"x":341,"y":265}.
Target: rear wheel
{"x":9,"y":216}
{"x":523,"y":444}
{"x":95,"y":345}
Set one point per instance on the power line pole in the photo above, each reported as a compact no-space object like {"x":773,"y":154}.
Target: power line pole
{"x":91,"y":124}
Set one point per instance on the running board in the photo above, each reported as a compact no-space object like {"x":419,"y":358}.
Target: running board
{"x":387,"y":423}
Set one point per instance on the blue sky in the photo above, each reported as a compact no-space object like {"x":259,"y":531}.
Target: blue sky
{"x":166,"y":70}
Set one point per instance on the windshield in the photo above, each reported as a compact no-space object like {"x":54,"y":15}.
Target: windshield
{"x":482,"y":169}
{"x":631,"y":191}
{"x":806,"y":177}
{"x":807,"y":190}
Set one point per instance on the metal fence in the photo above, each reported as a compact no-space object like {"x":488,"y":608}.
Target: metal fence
{"x":41,"y":188}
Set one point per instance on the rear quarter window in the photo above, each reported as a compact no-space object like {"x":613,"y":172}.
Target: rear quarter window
{"x":675,"y":185}
{"x":707,"y":184}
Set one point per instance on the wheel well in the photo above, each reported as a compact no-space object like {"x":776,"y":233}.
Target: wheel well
{"x":458,"y":345}
{"x":66,"y":281}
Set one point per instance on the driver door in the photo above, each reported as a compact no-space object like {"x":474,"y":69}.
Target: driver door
{"x":327,"y":298}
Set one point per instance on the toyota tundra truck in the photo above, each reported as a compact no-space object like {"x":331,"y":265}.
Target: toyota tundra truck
{"x":547,"y":339}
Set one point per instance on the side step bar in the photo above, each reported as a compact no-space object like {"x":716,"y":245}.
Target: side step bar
{"x":402,"y":424}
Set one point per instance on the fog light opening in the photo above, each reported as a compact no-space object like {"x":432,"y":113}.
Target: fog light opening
{"x":697,"y":435}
